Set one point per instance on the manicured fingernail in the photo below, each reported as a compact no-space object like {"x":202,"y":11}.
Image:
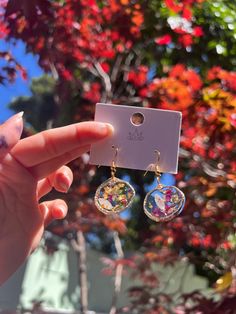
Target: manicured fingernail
{"x":15,"y":123}
{"x":20,"y":114}
{"x":16,"y":116}
{"x":13,"y":128}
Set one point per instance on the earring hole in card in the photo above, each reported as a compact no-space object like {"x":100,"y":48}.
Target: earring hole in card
{"x":137,"y":118}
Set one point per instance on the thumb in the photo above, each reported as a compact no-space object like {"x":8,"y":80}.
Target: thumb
{"x":10,"y":133}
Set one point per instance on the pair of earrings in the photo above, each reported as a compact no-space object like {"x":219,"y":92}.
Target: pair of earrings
{"x":163,"y":203}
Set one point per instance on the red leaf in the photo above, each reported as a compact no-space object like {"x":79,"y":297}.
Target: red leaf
{"x":187,"y":13}
{"x":171,"y":4}
{"x":163,"y":40}
{"x":197,"y":31}
{"x":23,"y":74}
{"x":186,"y":40}
{"x":105,"y":66}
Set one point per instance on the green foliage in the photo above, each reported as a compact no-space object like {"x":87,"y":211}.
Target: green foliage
{"x":216,"y":46}
{"x":40,"y":108}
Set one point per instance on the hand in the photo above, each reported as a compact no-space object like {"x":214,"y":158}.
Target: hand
{"x":29,"y":169}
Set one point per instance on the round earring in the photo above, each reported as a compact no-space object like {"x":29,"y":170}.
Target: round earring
{"x":164,"y":202}
{"x":114,"y":195}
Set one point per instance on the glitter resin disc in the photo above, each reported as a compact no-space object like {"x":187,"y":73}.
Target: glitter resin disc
{"x":164,"y":203}
{"x":114,"y":196}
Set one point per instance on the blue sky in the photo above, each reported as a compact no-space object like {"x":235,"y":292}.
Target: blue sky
{"x":20,"y":87}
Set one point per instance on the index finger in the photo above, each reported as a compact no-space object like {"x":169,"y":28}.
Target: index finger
{"x":55,"y":142}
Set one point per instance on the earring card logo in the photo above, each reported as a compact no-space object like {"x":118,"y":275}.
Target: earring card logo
{"x":135,"y":136}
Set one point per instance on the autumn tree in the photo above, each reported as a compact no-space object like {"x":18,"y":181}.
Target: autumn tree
{"x":176,"y":55}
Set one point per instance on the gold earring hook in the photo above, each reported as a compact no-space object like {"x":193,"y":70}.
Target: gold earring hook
{"x":157,"y":171}
{"x":113,"y":164}
{"x":158,"y":155}
{"x":155,"y":167}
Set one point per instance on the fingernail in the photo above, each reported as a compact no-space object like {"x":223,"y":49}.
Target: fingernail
{"x":59,"y":212}
{"x":110,"y":129}
{"x":64,"y":187}
{"x":64,"y":183}
{"x":16,"y":122}
{"x":16,"y":116}
{"x":105,"y":128}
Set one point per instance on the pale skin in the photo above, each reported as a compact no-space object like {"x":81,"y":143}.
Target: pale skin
{"x":29,"y":169}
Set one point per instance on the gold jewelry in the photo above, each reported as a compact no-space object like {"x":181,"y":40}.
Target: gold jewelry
{"x":164,"y":202}
{"x":114,"y":195}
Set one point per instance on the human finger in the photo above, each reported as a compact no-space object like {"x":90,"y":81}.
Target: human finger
{"x":60,"y":180}
{"x":44,"y":169}
{"x":51,"y":210}
{"x":52,"y":143}
{"x":10,"y":133}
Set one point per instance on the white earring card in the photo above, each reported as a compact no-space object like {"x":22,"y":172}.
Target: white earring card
{"x":139,"y":133}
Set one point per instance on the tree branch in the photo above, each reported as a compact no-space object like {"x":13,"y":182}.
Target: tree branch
{"x":80,"y":248}
{"x":105,"y":78}
{"x":118,"y":274}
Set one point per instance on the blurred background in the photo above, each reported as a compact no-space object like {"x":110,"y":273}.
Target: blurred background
{"x":58,"y":58}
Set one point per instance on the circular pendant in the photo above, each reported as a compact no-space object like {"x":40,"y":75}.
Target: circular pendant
{"x":114,"y":196}
{"x":164,"y":203}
